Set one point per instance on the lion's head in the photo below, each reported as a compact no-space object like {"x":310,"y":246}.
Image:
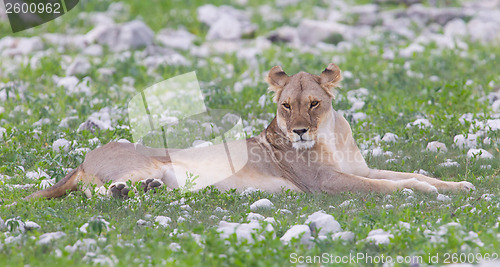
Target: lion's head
{"x":304,"y":101}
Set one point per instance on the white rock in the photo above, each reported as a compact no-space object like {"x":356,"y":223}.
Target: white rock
{"x":347,"y":236}
{"x":96,"y":219}
{"x":436,"y":146}
{"x":377,"y":151}
{"x":313,"y":31}
{"x":270,"y":220}
{"x":61,"y":145}
{"x":36,"y":175}
{"x":93,"y":50}
{"x":346,"y":203}
{"x":262,"y":101}
{"x":379,"y":236}
{"x":461,"y":142}
{"x":15,"y":225}
{"x":174,"y":246}
{"x":388,"y":54}
{"x":295,"y":232}
{"x":48,"y":237}
{"x":46,"y":183}
{"x":3,"y":132}
{"x":163,"y":221}
{"x":421,"y":123}
{"x":68,"y":82}
{"x":443,"y":198}
{"x":449,"y":163}
{"x":226,"y":28}
{"x":2,"y":224}
{"x":142,"y":222}
{"x":262,"y":204}
{"x":208,"y":14}
{"x":413,"y":48}
{"x":85,"y":244}
{"x":254,"y":217}
{"x":242,"y":231}
{"x":483,"y":30}
{"x":179,"y":39}
{"x":80,"y":66}
{"x":479,"y":153}
{"x":285,"y":34}
{"x":390,"y":138}
{"x":131,"y":35}
{"x":26,"y":46}
{"x":323,"y":222}
{"x":357,"y":105}
{"x":455,"y":28}
{"x":29,"y":225}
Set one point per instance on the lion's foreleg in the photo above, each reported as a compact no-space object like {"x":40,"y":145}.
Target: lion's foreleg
{"x":334,"y":182}
{"x":439,"y":184}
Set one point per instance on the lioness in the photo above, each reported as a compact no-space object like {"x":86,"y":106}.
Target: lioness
{"x":308,"y":147}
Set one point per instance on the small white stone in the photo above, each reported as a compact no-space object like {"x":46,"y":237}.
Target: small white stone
{"x":443,"y":198}
{"x":479,"y":153}
{"x":449,"y":163}
{"x":242,"y":231}
{"x":162,"y":221}
{"x":254,"y":217}
{"x":347,"y":236}
{"x":61,"y":145}
{"x":15,"y":225}
{"x":29,"y":225}
{"x":174,"y":246}
{"x":225,"y":28}
{"x":80,"y":66}
{"x":390,"y":138}
{"x":421,"y":123}
{"x":413,"y":48}
{"x":262,"y":204}
{"x":323,"y":222}
{"x":379,"y":236}
{"x":48,"y":237}
{"x":436,"y":146}
{"x":3,"y":132}
{"x":295,"y":231}
{"x":142,"y":222}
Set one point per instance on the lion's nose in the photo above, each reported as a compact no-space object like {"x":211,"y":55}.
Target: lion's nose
{"x":300,"y":132}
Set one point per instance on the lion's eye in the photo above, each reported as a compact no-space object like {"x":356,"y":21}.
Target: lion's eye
{"x":286,"y":105}
{"x":314,"y":104}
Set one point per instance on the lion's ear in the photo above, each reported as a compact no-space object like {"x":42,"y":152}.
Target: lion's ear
{"x":277,"y":79}
{"x":330,"y":78}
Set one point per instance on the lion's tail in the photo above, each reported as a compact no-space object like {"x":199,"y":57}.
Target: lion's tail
{"x":60,"y":188}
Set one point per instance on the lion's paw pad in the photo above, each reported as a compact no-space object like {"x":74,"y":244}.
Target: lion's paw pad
{"x":151,"y":184}
{"x":119,"y":190}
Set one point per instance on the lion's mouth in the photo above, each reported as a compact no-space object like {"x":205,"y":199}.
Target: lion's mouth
{"x":303,"y":144}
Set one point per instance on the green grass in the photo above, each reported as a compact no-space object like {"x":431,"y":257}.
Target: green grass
{"x":395,"y":99}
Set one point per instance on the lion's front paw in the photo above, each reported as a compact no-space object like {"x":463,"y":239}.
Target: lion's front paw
{"x":466,"y":186}
{"x":151,"y":184}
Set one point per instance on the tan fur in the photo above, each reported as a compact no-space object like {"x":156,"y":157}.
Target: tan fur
{"x":307,"y":147}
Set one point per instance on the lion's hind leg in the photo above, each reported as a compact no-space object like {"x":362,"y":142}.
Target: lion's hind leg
{"x":121,"y":189}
